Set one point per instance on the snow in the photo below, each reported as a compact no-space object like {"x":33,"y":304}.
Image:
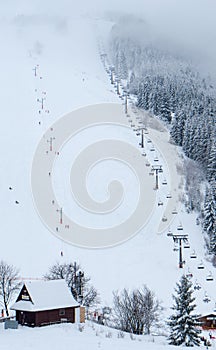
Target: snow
{"x":72,"y":75}
{"x":68,"y":335}
{"x":46,"y":295}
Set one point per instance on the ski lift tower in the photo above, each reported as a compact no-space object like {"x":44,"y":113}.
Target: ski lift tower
{"x":126,"y":101}
{"x":142,"y":129}
{"x":158,"y":169}
{"x":78,"y":283}
{"x":179,"y":238}
{"x":112,"y":69}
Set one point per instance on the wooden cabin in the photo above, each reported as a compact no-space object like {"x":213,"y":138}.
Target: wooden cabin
{"x":208,"y":321}
{"x":42,"y":303}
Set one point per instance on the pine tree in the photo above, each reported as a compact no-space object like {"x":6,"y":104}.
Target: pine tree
{"x":209,"y":221}
{"x":182,"y":323}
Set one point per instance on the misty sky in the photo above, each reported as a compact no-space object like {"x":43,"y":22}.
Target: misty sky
{"x":191,"y":23}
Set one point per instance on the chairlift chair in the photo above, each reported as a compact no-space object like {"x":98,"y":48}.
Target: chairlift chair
{"x":152,"y":149}
{"x":169,"y":195}
{"x":148,"y":164}
{"x":206,"y":298}
{"x":210,"y":277}
{"x":186,"y":245}
{"x":169,"y":233}
{"x":160,"y":202}
{"x":180,"y":227}
{"x":164,"y":182}
{"x":174,"y":211}
{"x":201,"y":266}
{"x":176,"y":248}
{"x":197,"y":286}
{"x":193,"y":255}
{"x":149,"y":141}
{"x":189,"y":274}
{"x":143,"y":154}
{"x":164,"y":219}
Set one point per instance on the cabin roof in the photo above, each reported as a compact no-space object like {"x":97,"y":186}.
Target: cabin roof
{"x":46,"y":295}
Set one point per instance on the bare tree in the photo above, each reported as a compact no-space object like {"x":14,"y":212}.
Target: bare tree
{"x":136,"y":311}
{"x":77,"y":282}
{"x":9,"y":284}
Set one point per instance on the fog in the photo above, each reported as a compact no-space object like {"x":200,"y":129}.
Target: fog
{"x":188,"y":23}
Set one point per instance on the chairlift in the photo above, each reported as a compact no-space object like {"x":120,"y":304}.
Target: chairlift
{"x":152,"y":149}
{"x":164,"y":182}
{"x":148,"y":164}
{"x":164,"y":218}
{"x":143,"y":154}
{"x":138,"y":134}
{"x":151,"y":173}
{"x":176,"y":247}
{"x":160,"y":202}
{"x":133,"y":125}
{"x":189,"y":274}
{"x":197,"y":286}
{"x":146,"y":131}
{"x":156,"y":159}
{"x":210,"y":277}
{"x":148,"y":140}
{"x":130,"y":120}
{"x":174,"y":211}
{"x":169,"y":195}
{"x":180,"y":227}
{"x":186,"y":245}
{"x":169,"y":233}
{"x":201,"y":266}
{"x":160,"y":170}
{"x":193,"y":255}
{"x":206,"y":298}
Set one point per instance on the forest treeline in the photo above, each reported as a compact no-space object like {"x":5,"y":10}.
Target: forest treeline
{"x":169,"y":85}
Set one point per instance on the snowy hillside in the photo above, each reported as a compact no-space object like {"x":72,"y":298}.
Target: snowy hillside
{"x":66,"y":335}
{"x":55,"y":60}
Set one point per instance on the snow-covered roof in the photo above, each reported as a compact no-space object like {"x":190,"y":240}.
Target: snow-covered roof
{"x":46,"y":295}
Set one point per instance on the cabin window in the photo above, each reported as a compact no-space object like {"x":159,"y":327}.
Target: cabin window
{"x":25,"y":295}
{"x":61,"y":312}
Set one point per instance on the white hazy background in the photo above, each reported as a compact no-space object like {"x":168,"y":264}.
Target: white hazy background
{"x":189,"y":23}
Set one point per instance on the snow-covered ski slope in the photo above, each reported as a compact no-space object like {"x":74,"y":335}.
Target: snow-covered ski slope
{"x":54,"y":61}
